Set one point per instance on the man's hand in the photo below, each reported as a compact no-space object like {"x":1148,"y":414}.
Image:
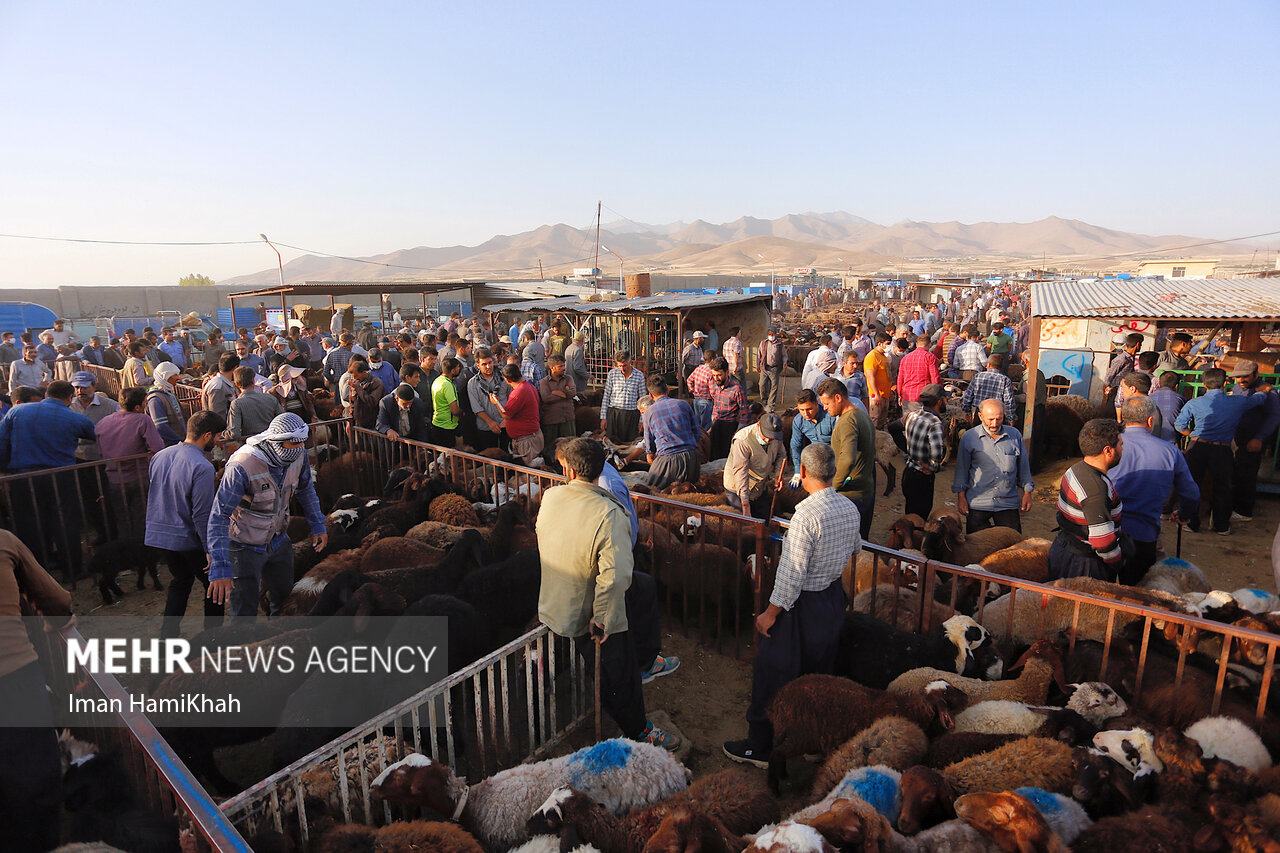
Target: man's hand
{"x":962,"y":503}
{"x":764,"y":622}
{"x":777,"y":484}
{"x":598,"y":632}
{"x":1254,"y":445}
{"x":1026,"y":502}
{"x":220,"y":590}
{"x":393,"y":435}
{"x":1177,"y":519}
{"x":795,"y":481}
{"x":746,"y":509}
{"x":319,"y":541}
{"x":602,"y":424}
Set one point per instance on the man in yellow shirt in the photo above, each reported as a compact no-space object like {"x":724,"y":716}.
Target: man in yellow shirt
{"x":879,"y":386}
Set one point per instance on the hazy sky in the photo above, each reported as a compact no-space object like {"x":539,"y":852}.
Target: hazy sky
{"x":364,"y":128}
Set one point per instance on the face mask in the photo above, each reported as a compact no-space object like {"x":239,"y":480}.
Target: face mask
{"x":771,"y":337}
{"x":764,"y":442}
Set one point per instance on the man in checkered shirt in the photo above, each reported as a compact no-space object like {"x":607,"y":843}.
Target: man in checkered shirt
{"x":731,"y":351}
{"x":800,"y":630}
{"x":926,"y":450}
{"x":620,"y":405}
{"x":988,"y":385}
{"x":970,"y":355}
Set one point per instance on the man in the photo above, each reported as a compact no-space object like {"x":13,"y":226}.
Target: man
{"x":60,"y":335}
{"x":587,"y":576}
{"x":116,"y":354}
{"x":852,"y":376}
{"x":875,"y":368}
{"x":1088,"y":542}
{"x":713,"y":337}
{"x":917,"y":369}
{"x":1141,"y":378}
{"x":993,"y":482}
{"x":671,"y":433}
{"x":382,"y":371}
{"x":853,"y":439}
{"x":30,"y":371}
{"x":220,"y":389}
{"x":127,"y":431}
{"x":30,"y":772}
{"x":214,"y":348}
{"x":390,"y":354}
{"x":970,"y":355}
{"x":813,"y":426}
{"x":556,"y":391}
{"x":533,"y":349}
{"x":754,"y":467}
{"x":619,"y":410}
{"x":800,"y":629}
{"x":402,"y":415}
{"x":732,"y":352}
{"x":771,"y":360}
{"x":173,"y":348}
{"x":701,"y":384}
{"x":90,"y":353}
{"x":486,"y":381}
{"x":692,"y":357}
{"x":46,"y":351}
{"x":315,"y":347}
{"x":9,"y":350}
{"x":530,"y":369}
{"x":138,"y":370}
{"x":926,"y":450}
{"x":336,"y":324}
{"x":1149,"y":471}
{"x":251,"y":360}
{"x":336,"y":361}
{"x":809,"y":373}
{"x":520,"y":415}
{"x":1169,"y":402}
{"x":1138,"y":384}
{"x":1000,"y":343}
{"x":35,"y":437}
{"x":94,"y":406}
{"x":729,"y":412}
{"x":917,"y":323}
{"x":1122,"y":364}
{"x":1256,"y":430}
{"x":990,"y":384}
{"x":1174,"y":356}
{"x":363,"y":394}
{"x":575,"y":360}
{"x":248,"y":536}
{"x":445,"y":410}
{"x":252,"y":411}
{"x":428,"y":361}
{"x":1211,"y":420}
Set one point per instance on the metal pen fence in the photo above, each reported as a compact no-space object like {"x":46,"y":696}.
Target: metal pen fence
{"x":511,"y":706}
{"x":156,"y":775}
{"x":107,"y":379}
{"x":190,"y":398}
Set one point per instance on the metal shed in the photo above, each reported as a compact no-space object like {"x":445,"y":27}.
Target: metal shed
{"x":651,"y":328}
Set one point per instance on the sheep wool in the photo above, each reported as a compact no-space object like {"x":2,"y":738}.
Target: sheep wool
{"x":1256,"y":600}
{"x":1031,"y":761}
{"x":549,"y":844}
{"x":999,"y":716}
{"x":878,"y":787}
{"x":1096,"y":702}
{"x":891,"y":741}
{"x":1132,"y":748}
{"x":1065,"y":816}
{"x":792,"y":838}
{"x":1232,"y":740}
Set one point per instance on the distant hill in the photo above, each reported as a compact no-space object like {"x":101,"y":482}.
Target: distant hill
{"x":835,"y":241}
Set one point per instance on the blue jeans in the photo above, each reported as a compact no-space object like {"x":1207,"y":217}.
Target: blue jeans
{"x":252,"y":571}
{"x":702,"y":408}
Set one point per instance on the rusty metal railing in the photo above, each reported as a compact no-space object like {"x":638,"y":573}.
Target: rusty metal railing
{"x":511,"y":706}
{"x":107,"y":379}
{"x":189,"y":398}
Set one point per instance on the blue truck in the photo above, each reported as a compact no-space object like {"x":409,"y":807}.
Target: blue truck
{"x":18,"y":317}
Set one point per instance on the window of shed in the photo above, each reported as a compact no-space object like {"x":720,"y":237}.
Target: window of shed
{"x":1179,"y":272}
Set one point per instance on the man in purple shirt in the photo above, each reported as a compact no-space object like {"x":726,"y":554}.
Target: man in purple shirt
{"x":127,"y":432}
{"x":178,"y":505}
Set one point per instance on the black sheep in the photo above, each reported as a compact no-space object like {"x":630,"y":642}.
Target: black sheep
{"x":114,"y":557}
{"x":874,"y":653}
{"x":103,"y":808}
{"x":440,"y":579}
{"x":505,"y":594}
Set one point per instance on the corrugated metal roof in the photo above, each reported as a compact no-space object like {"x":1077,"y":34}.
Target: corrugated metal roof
{"x":658,"y":302}
{"x":1171,"y":298}
{"x":357,"y":288}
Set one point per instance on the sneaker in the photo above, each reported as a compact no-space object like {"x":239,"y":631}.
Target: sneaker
{"x":742,"y":752}
{"x":1235,"y":516}
{"x":658,"y":737}
{"x":1226,"y":532}
{"x":661,"y":666}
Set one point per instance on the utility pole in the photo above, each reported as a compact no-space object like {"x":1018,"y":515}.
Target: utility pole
{"x":541,"y":277}
{"x":596,"y":264}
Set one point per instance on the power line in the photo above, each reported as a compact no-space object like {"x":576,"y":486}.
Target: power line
{"x":416,"y":268}
{"x":131,"y":242}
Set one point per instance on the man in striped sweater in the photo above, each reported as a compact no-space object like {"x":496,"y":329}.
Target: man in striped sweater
{"x":1088,"y":541}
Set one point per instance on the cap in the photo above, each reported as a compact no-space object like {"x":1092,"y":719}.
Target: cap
{"x":82,"y":379}
{"x":933,"y":391}
{"x":771,"y":425}
{"x":699,"y":334}
{"x":577,"y":336}
{"x":1243,"y":367}
{"x":772,"y":330}
{"x":384,"y":340}
{"x":505,"y":339}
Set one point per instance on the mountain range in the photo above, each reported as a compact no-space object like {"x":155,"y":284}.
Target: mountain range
{"x":832,"y":242}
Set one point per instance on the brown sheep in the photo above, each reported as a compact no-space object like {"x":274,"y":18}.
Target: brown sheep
{"x":436,"y":534}
{"x":892,"y":741}
{"x":399,"y":837}
{"x":856,"y":576}
{"x":453,"y":510}
{"x":817,"y":713}
{"x":306,"y":590}
{"x":398,"y":552}
{"x":899,"y":606}
{"x":906,"y":532}
{"x":1011,"y":820}
{"x":586,"y":419}
{"x":945,"y":540}
{"x":853,"y":824}
{"x":1041,"y":666}
{"x":735,"y":798}
{"x":1027,"y":560}
{"x":687,"y":831}
{"x":957,"y":746}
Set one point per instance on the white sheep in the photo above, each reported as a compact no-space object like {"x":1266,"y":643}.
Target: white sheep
{"x":791,"y":837}
{"x":1094,"y":701}
{"x":1134,"y":749}
{"x":620,"y":774}
{"x":1256,"y":600}
{"x":1230,"y":739}
{"x":549,"y":844}
{"x":1176,"y":576}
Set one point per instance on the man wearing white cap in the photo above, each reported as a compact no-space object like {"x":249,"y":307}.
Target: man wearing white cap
{"x":691,"y":359}
{"x":248,"y":539}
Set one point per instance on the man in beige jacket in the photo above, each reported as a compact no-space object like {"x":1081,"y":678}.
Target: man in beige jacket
{"x":584,"y":536}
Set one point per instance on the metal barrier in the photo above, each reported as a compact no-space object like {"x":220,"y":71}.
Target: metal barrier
{"x":108,"y":379}
{"x":190,"y":398}
{"x":157,"y":776}
{"x":49,"y":509}
{"x":511,"y":706}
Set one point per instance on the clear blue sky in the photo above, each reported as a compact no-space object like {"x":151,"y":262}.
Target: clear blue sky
{"x":364,"y":128}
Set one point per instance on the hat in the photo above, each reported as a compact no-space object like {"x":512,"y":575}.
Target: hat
{"x":82,"y":379}
{"x":771,"y":425}
{"x":933,"y":391}
{"x":506,"y":339}
{"x":577,"y":336}
{"x":384,"y":340}
{"x":699,"y":334}
{"x":288,"y":372}
{"x":772,"y":330}
{"x":1243,"y":367}
{"x":165,"y":371}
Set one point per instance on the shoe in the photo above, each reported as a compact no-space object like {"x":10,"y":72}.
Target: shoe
{"x":1235,"y":516}
{"x":661,"y":738}
{"x":661,"y":666}
{"x":742,"y":752}
{"x":1226,"y":532}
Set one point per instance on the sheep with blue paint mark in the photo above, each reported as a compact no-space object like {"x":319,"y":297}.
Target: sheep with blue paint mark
{"x":877,"y":786}
{"x":1065,"y":816}
{"x":620,"y":774}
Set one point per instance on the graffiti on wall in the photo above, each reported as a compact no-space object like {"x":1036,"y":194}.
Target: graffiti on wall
{"x":1063,"y":333}
{"x":1075,"y":366}
{"x":1129,"y":326}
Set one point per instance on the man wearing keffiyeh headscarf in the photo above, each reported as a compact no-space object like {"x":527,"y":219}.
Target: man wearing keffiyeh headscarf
{"x":249,"y":547}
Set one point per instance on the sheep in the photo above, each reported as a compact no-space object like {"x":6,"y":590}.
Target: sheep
{"x":445,"y":577}
{"x":416,"y":493}
{"x":73,"y":751}
{"x":1256,"y":601}
{"x":1151,"y":829}
{"x":1027,"y":560}
{"x":899,"y":606}
{"x":1026,"y":622}
{"x":621,"y":774}
{"x":1094,"y":702}
{"x":887,"y":457}
{"x":454,"y":510}
{"x":505,"y":594}
{"x":1105,"y":787}
{"x":1236,"y":827}
{"x":1041,"y":665}
{"x":906,"y":532}
{"x":398,"y":552}
{"x":1131,"y":748}
{"x":1035,"y":761}
{"x":435,"y":534}
{"x":868,"y":569}
{"x":512,"y":531}
{"x":850,"y":823}
{"x":959,"y":644}
{"x":1175,"y":576}
{"x":952,"y":836}
{"x":103,"y":808}
{"x":817,"y":713}
{"x":687,"y":831}
{"x":1013,"y":821}
{"x":88,"y":847}
{"x":1229,"y":738}
{"x":112,"y":557}
{"x":890,"y":741}
{"x":307,"y":589}
{"x":1065,"y":816}
{"x":321,"y":787}
{"x":1065,"y":416}
{"x":408,"y":836}
{"x":945,"y":540}
{"x":957,"y":746}
{"x":788,"y":837}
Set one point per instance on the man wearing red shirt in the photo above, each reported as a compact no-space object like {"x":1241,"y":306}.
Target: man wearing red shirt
{"x":917,"y":369}
{"x":520,"y":415}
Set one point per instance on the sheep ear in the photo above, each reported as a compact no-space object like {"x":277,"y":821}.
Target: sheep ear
{"x":1001,"y":814}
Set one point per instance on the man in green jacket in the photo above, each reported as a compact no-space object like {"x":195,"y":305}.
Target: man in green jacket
{"x":584,"y":536}
{"x":854,"y":441}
